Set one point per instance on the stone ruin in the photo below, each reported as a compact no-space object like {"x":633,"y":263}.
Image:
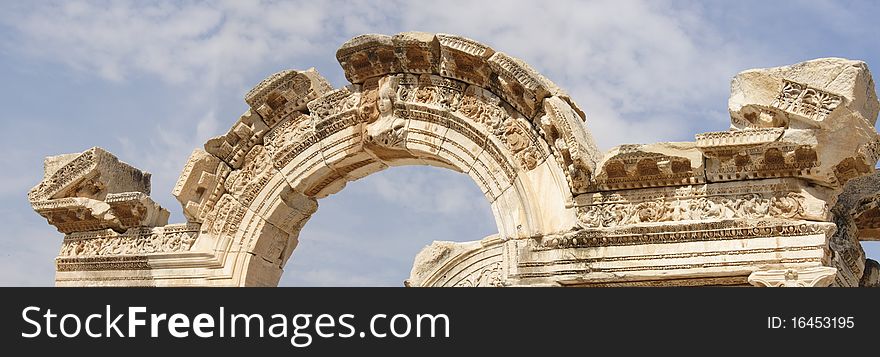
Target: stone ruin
{"x":781,"y":198}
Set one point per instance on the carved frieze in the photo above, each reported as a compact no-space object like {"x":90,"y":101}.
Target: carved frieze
{"x":775,"y":159}
{"x":689,"y":232}
{"x":635,"y":166}
{"x":464,"y":59}
{"x":489,"y":276}
{"x":745,"y":206}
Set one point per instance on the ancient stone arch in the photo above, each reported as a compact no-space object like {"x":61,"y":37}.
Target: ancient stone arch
{"x":751,"y":205}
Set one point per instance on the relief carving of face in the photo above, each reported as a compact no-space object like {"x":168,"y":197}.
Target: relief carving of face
{"x":387,"y":130}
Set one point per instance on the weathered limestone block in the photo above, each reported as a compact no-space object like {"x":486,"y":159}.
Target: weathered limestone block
{"x":432,"y":257}
{"x":263,"y":190}
{"x":793,"y":278}
{"x":286,"y":92}
{"x":871,"y":277}
{"x":832,"y":158}
{"x":762,"y":199}
{"x":761,"y":153}
{"x":849,"y":256}
{"x":335,"y":102}
{"x":517,"y":83}
{"x":135,"y":257}
{"x":828,"y":105}
{"x":709,"y":252}
{"x":200,"y":184}
{"x":369,"y":56}
{"x":134,"y":242}
{"x":652,"y":165}
{"x":750,"y":206}
{"x":828,"y":93}
{"x":573,"y":146}
{"x":867,"y":217}
{"x":238,"y":141}
{"x":465,"y":59}
{"x":136,"y":209}
{"x":93,"y":173}
{"x":417,"y":52}
{"x":93,"y":190}
{"x":468,"y":264}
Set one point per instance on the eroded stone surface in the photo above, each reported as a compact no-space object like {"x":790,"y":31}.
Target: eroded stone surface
{"x":827,"y":105}
{"x":781,"y":199}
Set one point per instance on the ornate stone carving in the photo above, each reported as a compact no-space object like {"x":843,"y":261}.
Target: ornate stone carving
{"x":138,"y":241}
{"x":93,"y":174}
{"x":385,"y":129}
{"x":866,"y":215}
{"x":848,"y":254}
{"x":826,"y":105}
{"x":574,"y":148}
{"x":776,"y":159}
{"x":334,"y":102}
{"x":749,"y":205}
{"x":238,"y":141}
{"x":285,"y":93}
{"x":489,"y":276}
{"x":745,"y":206}
{"x":200,"y":184}
{"x":666,"y":164}
{"x":245,"y":183}
{"x":289,"y":138}
{"x":729,"y":143}
{"x":89,"y":191}
{"x":801,"y":99}
{"x":794,"y":278}
{"x":691,"y":232}
{"x":464,"y":59}
{"x":517,"y":83}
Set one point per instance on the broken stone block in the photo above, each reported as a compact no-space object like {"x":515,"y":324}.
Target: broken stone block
{"x":200,"y":184}
{"x":285,"y":93}
{"x":93,"y":173}
{"x":652,"y":165}
{"x":826,"y":93}
{"x":93,"y":190}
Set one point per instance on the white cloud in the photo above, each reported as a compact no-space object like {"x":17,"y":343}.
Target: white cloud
{"x":428,"y":191}
{"x":625,"y":62}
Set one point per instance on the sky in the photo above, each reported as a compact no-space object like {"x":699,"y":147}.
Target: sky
{"x":151,"y":81}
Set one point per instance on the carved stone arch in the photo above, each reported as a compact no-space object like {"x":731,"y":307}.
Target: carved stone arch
{"x":415,"y":99}
{"x":753,"y":205}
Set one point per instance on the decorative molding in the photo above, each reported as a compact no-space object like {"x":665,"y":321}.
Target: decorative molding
{"x":794,"y":278}
{"x":678,"y":233}
{"x":806,"y":101}
{"x":744,"y":206}
{"x":167,"y":239}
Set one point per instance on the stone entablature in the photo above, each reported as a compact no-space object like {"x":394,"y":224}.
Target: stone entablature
{"x":755,"y":205}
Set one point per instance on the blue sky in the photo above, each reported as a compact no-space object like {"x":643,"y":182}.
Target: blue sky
{"x":151,"y":81}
